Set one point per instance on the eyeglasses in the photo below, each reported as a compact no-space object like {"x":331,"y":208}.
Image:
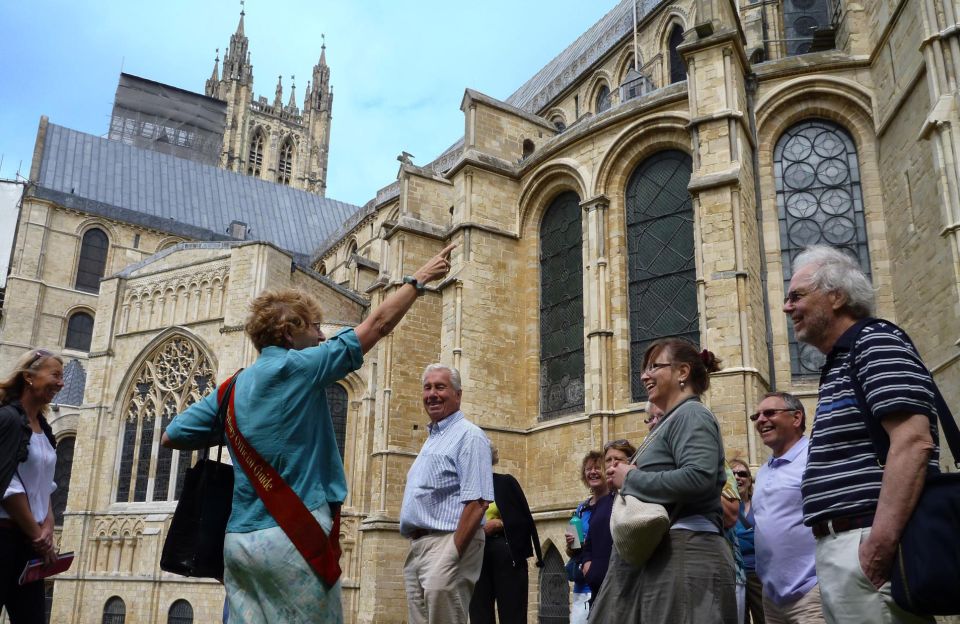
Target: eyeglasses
{"x":612,"y":443}
{"x":769,"y":413}
{"x":37,"y":355}
{"x":794,"y":296}
{"x":655,"y":366}
{"x":743,"y":474}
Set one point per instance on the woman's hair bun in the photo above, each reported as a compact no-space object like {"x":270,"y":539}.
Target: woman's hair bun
{"x":710,"y":361}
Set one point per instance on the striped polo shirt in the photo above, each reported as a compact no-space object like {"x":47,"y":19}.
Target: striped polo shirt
{"x":453,"y":468}
{"x":843,"y":474}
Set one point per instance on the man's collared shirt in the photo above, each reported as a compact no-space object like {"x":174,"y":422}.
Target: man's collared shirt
{"x":785,"y":548}
{"x":843,"y":475}
{"x":453,"y":468}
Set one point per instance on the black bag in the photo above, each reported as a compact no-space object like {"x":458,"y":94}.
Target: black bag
{"x":194,"y":543}
{"x":926,"y":569}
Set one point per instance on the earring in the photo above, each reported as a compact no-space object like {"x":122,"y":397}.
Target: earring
{"x":682,"y":384}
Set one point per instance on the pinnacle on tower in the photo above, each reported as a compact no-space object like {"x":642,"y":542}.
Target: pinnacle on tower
{"x":240,"y":25}
{"x":293,"y":91}
{"x":278,"y":99}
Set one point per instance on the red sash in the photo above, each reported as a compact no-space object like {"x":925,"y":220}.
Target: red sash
{"x":285,"y":506}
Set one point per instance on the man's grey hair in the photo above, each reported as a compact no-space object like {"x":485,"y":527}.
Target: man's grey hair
{"x":792,"y":403}
{"x":836,"y":270}
{"x":437,"y":366}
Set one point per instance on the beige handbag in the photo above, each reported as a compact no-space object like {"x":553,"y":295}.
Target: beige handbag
{"x":637,"y":527}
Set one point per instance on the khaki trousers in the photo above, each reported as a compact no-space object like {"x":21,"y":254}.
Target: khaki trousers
{"x":439,"y":583}
{"x":803,"y":610}
{"x":848,"y":596}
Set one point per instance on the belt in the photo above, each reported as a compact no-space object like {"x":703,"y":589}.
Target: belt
{"x":416,"y":534}
{"x":839,"y":525}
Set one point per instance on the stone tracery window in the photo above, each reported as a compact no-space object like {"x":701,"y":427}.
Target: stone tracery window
{"x":285,"y":163}
{"x":176,"y":375}
{"x":819,"y":200}
{"x":603,"y":99}
{"x":662,"y":273}
{"x":554,"y":589}
{"x":255,"y":159}
{"x":561,"y":308}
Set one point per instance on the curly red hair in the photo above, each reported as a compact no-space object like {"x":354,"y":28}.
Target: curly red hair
{"x":276,"y":313}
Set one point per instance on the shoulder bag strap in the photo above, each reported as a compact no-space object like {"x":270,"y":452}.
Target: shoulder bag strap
{"x":878,"y":435}
{"x":287,"y":509}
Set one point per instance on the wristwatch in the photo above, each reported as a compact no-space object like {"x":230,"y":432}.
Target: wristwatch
{"x":409,"y":279}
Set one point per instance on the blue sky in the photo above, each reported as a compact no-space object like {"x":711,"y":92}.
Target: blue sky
{"x":398,"y":69}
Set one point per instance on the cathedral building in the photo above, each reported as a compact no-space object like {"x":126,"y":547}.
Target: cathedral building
{"x":656,"y":178}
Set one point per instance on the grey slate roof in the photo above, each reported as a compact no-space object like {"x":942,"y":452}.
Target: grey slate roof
{"x":180,"y":196}
{"x":74,"y":381}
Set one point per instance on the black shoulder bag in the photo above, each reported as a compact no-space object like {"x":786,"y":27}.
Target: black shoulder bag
{"x":926,"y":570}
{"x":194,"y":543}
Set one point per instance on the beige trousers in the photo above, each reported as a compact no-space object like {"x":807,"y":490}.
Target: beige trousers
{"x":804,"y":610}
{"x":439,"y":583}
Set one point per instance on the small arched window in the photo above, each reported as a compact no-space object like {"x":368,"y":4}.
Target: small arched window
{"x":819,"y":200}
{"x":255,"y":159}
{"x":561,"y":308}
{"x":61,"y":476}
{"x":337,"y":402}
{"x":603,"y":99}
{"x":285,"y":163}
{"x":528,"y":148}
{"x":114,"y":611}
{"x":180,"y":613}
{"x":678,"y":71}
{"x":79,"y":332}
{"x":554,"y":589}
{"x":558,"y":123}
{"x":93,"y":260}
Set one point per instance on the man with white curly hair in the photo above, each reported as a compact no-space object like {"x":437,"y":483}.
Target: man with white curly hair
{"x":856,"y":505}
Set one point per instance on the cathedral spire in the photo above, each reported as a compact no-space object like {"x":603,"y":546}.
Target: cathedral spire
{"x":278,"y":100}
{"x":292,"y":104}
{"x":240,"y":25}
{"x":323,"y":50}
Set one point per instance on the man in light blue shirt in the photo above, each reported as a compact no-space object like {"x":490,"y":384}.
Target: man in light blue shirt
{"x":448,"y":489}
{"x":785,"y":548}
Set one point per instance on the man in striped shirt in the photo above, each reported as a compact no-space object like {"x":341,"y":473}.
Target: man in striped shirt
{"x":449,"y":487}
{"x":856,"y":507}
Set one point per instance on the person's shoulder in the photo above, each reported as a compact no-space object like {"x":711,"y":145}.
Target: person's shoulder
{"x":10,"y":414}
{"x":881,"y":331}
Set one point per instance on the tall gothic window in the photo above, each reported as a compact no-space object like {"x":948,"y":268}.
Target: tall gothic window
{"x":79,"y":332}
{"x":255,"y":158}
{"x":337,"y":402}
{"x":662,"y":274}
{"x":561,"y":308}
{"x":678,"y":71}
{"x":93,"y":260}
{"x":603,"y":99}
{"x":61,"y":476}
{"x":285,"y":164}
{"x":180,"y":613}
{"x":176,"y":375}
{"x":554,"y":589}
{"x":819,"y":200}
{"x":114,"y":611}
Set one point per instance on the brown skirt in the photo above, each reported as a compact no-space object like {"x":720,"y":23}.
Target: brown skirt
{"x":688,"y":580}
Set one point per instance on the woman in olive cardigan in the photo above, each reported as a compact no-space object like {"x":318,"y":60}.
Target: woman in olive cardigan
{"x":511,"y":539}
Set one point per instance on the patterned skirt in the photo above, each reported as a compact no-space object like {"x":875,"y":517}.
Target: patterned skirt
{"x":268,"y":580}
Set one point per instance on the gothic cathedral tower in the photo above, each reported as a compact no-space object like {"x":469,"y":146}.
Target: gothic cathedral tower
{"x":270,"y":140}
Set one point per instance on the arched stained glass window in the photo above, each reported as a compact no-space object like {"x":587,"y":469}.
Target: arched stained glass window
{"x":175,"y":376}
{"x":285,"y":164}
{"x":337,"y":402}
{"x":93,"y":260}
{"x":561,"y":308}
{"x":255,"y":159}
{"x":662,"y":273}
{"x":819,"y":200}
{"x":678,"y":71}
{"x":603,"y":99}
{"x":114,"y":611}
{"x":554,"y":589}
{"x":61,"y":476}
{"x":79,"y":332}
{"x":180,"y":613}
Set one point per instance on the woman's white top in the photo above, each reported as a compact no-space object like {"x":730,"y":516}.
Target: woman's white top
{"x":36,"y":477}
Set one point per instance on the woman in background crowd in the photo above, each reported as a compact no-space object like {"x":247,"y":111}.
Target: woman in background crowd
{"x":592,"y":475}
{"x":690,"y":575}
{"x":599,"y":542}
{"x":511,"y":539}
{"x":28,"y":458}
{"x":741,"y":471}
